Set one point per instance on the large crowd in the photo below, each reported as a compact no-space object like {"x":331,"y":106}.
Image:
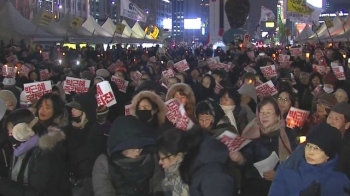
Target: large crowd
{"x":187,"y":121}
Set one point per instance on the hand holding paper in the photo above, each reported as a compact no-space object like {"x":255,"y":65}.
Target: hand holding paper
{"x":267,"y":164}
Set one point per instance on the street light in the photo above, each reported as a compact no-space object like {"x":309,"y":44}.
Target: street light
{"x":59,"y":6}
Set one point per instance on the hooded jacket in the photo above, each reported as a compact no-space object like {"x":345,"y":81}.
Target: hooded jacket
{"x":295,"y":175}
{"x":85,"y":144}
{"x":44,"y":169}
{"x":204,"y":93}
{"x":116,"y":174}
{"x":161,"y":113}
{"x":209,"y":170}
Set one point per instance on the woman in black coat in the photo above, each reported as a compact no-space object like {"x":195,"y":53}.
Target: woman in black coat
{"x":38,"y":166}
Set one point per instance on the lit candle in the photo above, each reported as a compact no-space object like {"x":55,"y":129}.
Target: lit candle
{"x":307,"y":55}
{"x":302,"y":139}
{"x":344,"y":56}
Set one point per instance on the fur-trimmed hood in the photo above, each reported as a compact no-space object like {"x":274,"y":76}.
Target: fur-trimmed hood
{"x":185,"y":88}
{"x":155,"y":98}
{"x":51,"y":139}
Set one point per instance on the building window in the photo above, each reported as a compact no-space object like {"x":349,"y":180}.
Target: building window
{"x":79,"y":6}
{"x":84,"y":7}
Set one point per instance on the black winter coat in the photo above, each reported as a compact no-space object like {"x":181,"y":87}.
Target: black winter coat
{"x":47,"y":174}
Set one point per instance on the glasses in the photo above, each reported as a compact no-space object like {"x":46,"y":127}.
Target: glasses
{"x":324,"y":104}
{"x":281,"y":99}
{"x":315,"y":149}
{"x":168,"y":156}
{"x":267,"y":114}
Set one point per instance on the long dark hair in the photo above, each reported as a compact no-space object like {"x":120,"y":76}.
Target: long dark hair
{"x":57,"y":104}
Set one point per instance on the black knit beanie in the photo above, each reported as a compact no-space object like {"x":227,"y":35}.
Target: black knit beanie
{"x":326,"y":137}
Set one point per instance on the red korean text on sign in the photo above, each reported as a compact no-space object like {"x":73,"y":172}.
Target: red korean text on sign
{"x":35,"y":91}
{"x":296,"y":118}
{"x":104,"y":98}
{"x":269,"y":71}
{"x":127,"y":110}
{"x":168,"y":73}
{"x":182,"y":122}
{"x":173,"y":110}
{"x":232,"y":144}
{"x":122,"y":84}
{"x":182,"y":65}
{"x":339,"y":72}
{"x":77,"y":86}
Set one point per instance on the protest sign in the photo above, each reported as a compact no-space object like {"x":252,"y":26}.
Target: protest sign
{"x":112,"y":68}
{"x":339,"y":72}
{"x":76,"y":85}
{"x":266,"y":89}
{"x":173,"y":110}
{"x":295,"y":52}
{"x":44,"y":75}
{"x":105,"y":94}
{"x":9,"y":72}
{"x":183,"y":122}
{"x":127,"y":110}
{"x":182,"y":66}
{"x":136,"y":76}
{"x":269,"y":71}
{"x":36,"y":90}
{"x":168,"y":73}
{"x":317,"y":89}
{"x":233,"y":141}
{"x":296,"y":117}
{"x":121,"y":83}
{"x":24,"y":71}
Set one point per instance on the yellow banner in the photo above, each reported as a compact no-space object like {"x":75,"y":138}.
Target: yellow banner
{"x":119,"y":28}
{"x":76,"y":22}
{"x":298,"y":6}
{"x":152,"y":31}
{"x":45,"y":19}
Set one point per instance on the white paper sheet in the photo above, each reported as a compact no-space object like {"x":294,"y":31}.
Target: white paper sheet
{"x":267,"y":164}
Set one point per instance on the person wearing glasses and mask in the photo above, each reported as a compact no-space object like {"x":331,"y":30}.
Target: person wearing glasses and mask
{"x":269,"y":138}
{"x":310,"y":170}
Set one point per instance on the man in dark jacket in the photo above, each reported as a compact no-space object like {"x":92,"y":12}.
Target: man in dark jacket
{"x":339,"y":117}
{"x":85,"y":142}
{"x":131,"y":167}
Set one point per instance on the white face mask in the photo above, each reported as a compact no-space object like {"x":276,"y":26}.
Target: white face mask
{"x":327,"y":90}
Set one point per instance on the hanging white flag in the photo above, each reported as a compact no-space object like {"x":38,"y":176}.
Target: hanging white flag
{"x":132,"y":11}
{"x":267,"y":14}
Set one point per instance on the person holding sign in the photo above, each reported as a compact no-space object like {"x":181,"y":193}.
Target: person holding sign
{"x":195,"y":164}
{"x":270,"y":145}
{"x":85,"y":142}
{"x":185,"y":95}
{"x":310,"y":170}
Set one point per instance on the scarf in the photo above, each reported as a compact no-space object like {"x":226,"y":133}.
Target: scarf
{"x":26,"y":146}
{"x":254,"y":129}
{"x":172,"y":181}
{"x":229,"y":113}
